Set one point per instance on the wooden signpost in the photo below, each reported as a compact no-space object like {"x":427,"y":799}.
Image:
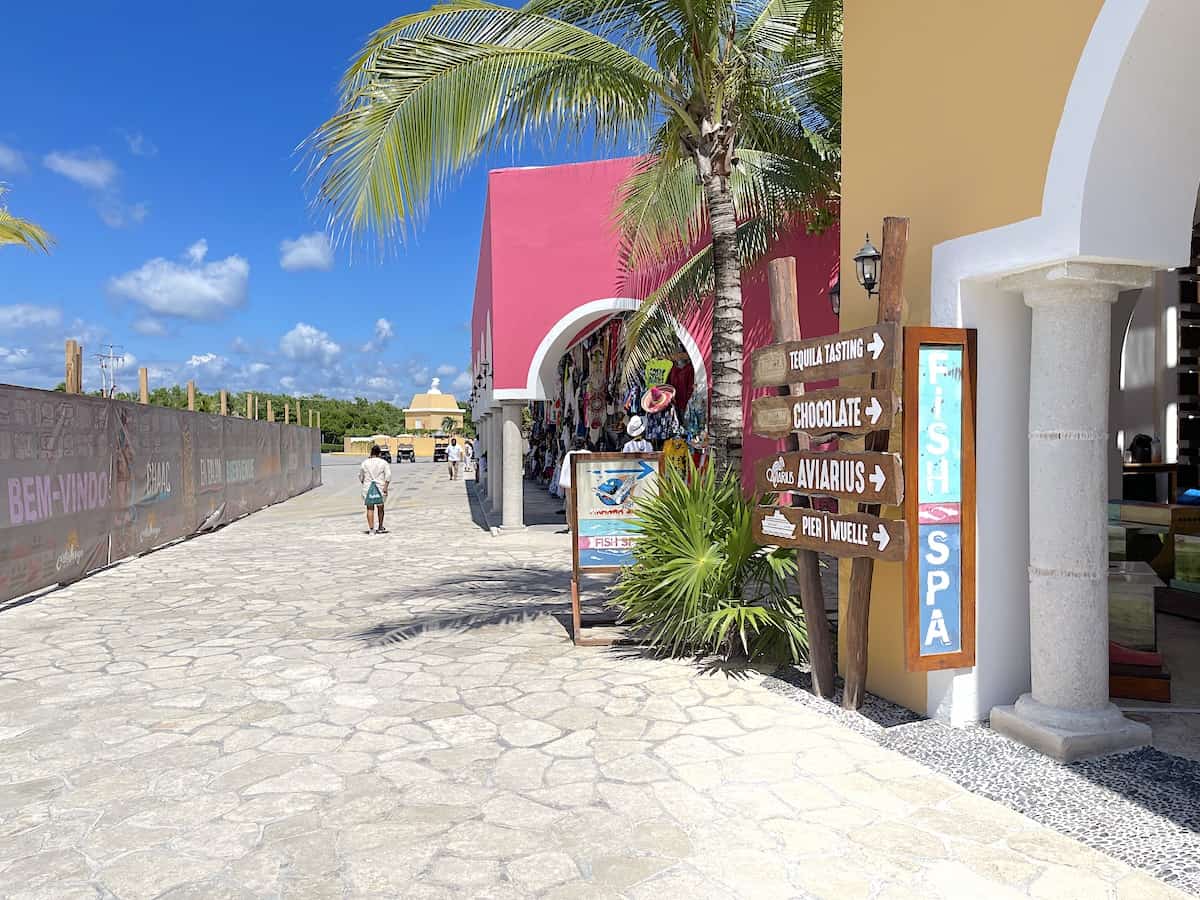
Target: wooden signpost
{"x":866,"y":477}
{"x":832,"y":411}
{"x":873,"y":478}
{"x":857,"y":352}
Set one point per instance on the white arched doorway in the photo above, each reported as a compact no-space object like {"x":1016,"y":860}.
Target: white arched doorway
{"x":1118,"y":204}
{"x":541,"y":380}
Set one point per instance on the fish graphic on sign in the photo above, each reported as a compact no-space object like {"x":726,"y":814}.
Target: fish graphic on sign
{"x":615,"y":491}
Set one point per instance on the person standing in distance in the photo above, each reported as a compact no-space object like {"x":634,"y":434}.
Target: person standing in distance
{"x":636,"y":443}
{"x":375,"y":476}
{"x":454,"y":456}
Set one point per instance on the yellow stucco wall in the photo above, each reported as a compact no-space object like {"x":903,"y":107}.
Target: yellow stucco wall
{"x":950,"y":112}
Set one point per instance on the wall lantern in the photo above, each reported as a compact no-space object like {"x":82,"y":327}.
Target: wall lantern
{"x":866,"y":265}
{"x":835,"y":296}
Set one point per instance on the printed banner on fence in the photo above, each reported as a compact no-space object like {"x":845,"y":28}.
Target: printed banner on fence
{"x":87,"y":481}
{"x":55,"y":467}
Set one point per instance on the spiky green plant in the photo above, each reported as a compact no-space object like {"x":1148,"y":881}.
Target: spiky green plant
{"x":719,"y":95}
{"x":701,"y":584}
{"x":21,"y":231}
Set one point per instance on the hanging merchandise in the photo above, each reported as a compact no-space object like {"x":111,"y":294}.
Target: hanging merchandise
{"x":658,"y":398}
{"x":676,"y":453}
{"x":657,"y":371}
{"x":683,"y":379}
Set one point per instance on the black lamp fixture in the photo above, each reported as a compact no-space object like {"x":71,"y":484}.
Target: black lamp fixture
{"x":835,"y":296}
{"x":866,"y":266}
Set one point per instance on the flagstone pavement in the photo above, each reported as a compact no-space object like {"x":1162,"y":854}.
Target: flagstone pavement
{"x":291,"y":708}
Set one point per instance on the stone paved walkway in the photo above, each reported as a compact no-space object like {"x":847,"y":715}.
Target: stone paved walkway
{"x":290,"y":708}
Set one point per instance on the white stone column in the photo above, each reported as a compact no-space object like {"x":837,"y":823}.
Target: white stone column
{"x":1067,"y":714}
{"x":513,"y":516}
{"x":495,"y":462}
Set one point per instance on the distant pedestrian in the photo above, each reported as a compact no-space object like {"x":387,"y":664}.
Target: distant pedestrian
{"x":454,"y":455}
{"x":564,"y":479}
{"x":636,"y":443}
{"x":375,"y":475}
{"x":468,"y":455}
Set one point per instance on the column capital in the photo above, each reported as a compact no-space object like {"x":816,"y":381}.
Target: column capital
{"x":1076,"y":281}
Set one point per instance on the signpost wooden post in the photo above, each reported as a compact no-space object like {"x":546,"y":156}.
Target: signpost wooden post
{"x":785,"y":321}
{"x":873,"y":478}
{"x":862,"y":568}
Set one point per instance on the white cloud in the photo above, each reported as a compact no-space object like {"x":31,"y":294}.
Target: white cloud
{"x":239,"y":345}
{"x":256,"y":368}
{"x":288,"y":383}
{"x":445,"y":370}
{"x":383,"y":334}
{"x":139,"y":144}
{"x":196,"y":290}
{"x":463,"y":383}
{"x":16,"y":357}
{"x":115,"y":214}
{"x":25,"y":315}
{"x":88,"y":169}
{"x":196,"y":253}
{"x":149,"y":327}
{"x":11,"y":160}
{"x":309,"y":251}
{"x":207,"y":364}
{"x":311,"y":344}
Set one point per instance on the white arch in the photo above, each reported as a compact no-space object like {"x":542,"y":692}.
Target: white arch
{"x":540,"y":381}
{"x":1124,"y":169}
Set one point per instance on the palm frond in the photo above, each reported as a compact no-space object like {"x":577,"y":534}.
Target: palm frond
{"x":21,"y":232}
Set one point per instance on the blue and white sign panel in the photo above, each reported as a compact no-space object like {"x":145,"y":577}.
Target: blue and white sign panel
{"x":607,"y":487}
{"x":940,"y":458}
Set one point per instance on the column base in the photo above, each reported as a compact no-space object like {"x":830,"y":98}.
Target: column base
{"x":1067,"y":735}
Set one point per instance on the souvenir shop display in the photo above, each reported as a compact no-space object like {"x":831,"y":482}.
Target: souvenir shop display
{"x":593,"y":402}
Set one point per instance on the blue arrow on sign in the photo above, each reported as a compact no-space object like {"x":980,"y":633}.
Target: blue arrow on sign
{"x":646,"y":469}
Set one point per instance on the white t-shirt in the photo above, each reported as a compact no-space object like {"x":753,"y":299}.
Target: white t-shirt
{"x":638,"y":445}
{"x":454,"y":453}
{"x":374,"y":469}
{"x":564,"y":477}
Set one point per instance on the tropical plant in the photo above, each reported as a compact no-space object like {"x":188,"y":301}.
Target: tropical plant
{"x":21,"y":231}
{"x":701,"y":584}
{"x":716,"y":94}
{"x":448,"y":425}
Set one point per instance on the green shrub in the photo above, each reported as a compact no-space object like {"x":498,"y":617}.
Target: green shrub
{"x":700,"y":584}
{"x":333,"y":448}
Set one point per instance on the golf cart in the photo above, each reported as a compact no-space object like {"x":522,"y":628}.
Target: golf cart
{"x":405,"y":452}
{"x":441,"y":447}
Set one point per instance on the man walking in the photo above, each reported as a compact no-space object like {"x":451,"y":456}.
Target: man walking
{"x":453,"y":457}
{"x":375,"y":476}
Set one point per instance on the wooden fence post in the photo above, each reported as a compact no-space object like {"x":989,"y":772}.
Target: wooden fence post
{"x":318,"y":419}
{"x":287,"y":409}
{"x":862,"y":568}
{"x":785,"y":318}
{"x":298,"y":419}
{"x":249,"y":405}
{"x":224,"y":403}
{"x":191,"y":396}
{"x":72,"y":374}
{"x":310,"y":418}
{"x":270,"y":410}
{"x":143,"y":385}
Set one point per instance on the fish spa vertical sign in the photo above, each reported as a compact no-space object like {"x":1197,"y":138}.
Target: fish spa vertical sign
{"x":939,"y":445}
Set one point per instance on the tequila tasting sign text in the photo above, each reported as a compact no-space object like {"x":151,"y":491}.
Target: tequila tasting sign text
{"x":939,"y":444}
{"x":847,"y":353}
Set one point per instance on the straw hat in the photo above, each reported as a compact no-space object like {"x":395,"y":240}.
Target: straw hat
{"x":658,"y":398}
{"x":636,"y":427}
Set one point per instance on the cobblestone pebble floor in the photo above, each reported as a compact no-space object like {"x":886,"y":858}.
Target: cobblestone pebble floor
{"x":290,"y":708}
{"x":1141,"y":807}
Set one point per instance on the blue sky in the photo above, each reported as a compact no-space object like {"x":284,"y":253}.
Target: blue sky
{"x":155,"y":141}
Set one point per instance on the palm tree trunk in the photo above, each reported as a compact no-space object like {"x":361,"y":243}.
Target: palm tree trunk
{"x":725,"y":418}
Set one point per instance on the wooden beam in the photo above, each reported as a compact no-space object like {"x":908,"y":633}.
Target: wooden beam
{"x":79,"y":368}
{"x":191,"y":388}
{"x":71,"y":376}
{"x":270,"y":410}
{"x":318,"y":419}
{"x":785,"y":320}
{"x":298,"y":419}
{"x":287,"y":413}
{"x":224,"y":403}
{"x":856,"y":624}
{"x":143,"y":385}
{"x":310,"y":418}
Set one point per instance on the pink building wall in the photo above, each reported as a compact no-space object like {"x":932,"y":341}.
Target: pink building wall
{"x":549,"y":246}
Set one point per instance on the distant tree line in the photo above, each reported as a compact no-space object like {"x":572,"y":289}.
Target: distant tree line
{"x":339,"y":418}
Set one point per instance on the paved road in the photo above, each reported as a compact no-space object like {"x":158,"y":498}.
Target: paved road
{"x":290,"y":708}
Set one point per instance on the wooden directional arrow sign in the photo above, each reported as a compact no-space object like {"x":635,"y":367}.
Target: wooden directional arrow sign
{"x":833,"y":356}
{"x":866,"y":477}
{"x":848,"y":535}
{"x":840,"y":410}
